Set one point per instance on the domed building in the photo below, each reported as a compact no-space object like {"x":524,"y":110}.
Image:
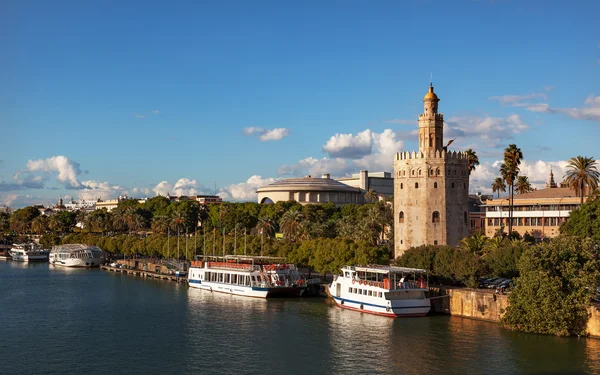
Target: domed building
{"x":309,"y":190}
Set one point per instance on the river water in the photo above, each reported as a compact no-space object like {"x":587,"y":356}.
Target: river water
{"x":78,"y":321}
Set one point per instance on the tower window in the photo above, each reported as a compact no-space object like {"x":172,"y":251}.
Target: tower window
{"x":465,"y":217}
{"x":419,"y":172}
{"x":416,"y":185}
{"x":437,"y":171}
{"x":435,"y":217}
{"x":401,"y":186}
{"x":453,"y":185}
{"x":435,"y":242}
{"x":401,"y":242}
{"x":455,"y":172}
{"x":401,"y":217}
{"x":435,"y":185}
{"x":412,"y":172}
{"x":465,"y":186}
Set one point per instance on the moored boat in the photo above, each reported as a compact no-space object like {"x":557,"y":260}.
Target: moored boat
{"x":246,"y":276}
{"x":28,"y":252}
{"x":77,"y":255}
{"x":382,"y":290}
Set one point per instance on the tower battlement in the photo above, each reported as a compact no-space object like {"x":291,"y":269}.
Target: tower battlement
{"x":437,"y":116}
{"x":441,"y":155}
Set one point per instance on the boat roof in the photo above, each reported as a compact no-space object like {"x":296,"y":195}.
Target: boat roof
{"x":75,"y":246}
{"x":384,"y":269}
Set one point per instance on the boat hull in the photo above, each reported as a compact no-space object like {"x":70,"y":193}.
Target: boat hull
{"x":29,"y":258}
{"x":84,"y":263}
{"x":392,"y":312}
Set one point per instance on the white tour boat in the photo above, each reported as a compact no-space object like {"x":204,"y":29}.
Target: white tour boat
{"x":382,"y":290}
{"x":28,"y":252}
{"x":77,"y":255}
{"x":246,"y":276}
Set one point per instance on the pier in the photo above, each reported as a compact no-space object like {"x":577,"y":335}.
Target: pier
{"x":148,"y":274}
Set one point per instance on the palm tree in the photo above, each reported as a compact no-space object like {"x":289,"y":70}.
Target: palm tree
{"x":474,"y":244}
{"x":510,"y":170}
{"x":136,"y":222}
{"x":494,"y":244}
{"x":119,"y":221}
{"x":266,"y":225}
{"x":160,"y":224}
{"x":498,"y":186}
{"x":54,"y":223}
{"x":472,"y":160}
{"x":582,"y":172}
{"x":523,"y":185}
{"x":290,"y":223}
{"x":179,"y":221}
{"x":39,"y":225}
{"x":371,"y":196}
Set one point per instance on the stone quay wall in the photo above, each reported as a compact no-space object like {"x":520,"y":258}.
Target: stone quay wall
{"x":486,"y":305}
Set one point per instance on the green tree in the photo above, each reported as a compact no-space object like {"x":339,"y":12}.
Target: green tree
{"x":371,"y":196}
{"x":474,"y":244}
{"x":582,"y":172}
{"x":290,"y":224}
{"x":472,"y":160}
{"x":584,"y":222}
{"x":523,"y":185}
{"x":20,"y":220}
{"x":498,"y":186}
{"x":39,"y":225}
{"x":555,"y":288}
{"x":160,"y":224}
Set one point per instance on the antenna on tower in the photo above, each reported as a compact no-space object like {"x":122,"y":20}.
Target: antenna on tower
{"x":431,"y":79}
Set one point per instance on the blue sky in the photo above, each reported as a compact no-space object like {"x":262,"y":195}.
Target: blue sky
{"x":146,"y":97}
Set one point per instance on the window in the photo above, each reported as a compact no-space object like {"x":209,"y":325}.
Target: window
{"x":412,"y":172}
{"x":349,"y":290}
{"x":401,"y":217}
{"x":401,"y":186}
{"x":464,"y":185}
{"x":416,"y":185}
{"x":435,"y":242}
{"x":465,"y":215}
{"x":453,"y":185}
{"x":437,"y":172}
{"x":435,"y":217}
{"x":419,"y":172}
{"x":435,"y":185}
{"x":401,"y":242}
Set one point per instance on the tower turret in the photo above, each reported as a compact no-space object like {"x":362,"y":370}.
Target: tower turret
{"x":431,"y":124}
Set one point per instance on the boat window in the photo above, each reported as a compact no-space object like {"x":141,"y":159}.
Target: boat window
{"x":355,"y":291}
{"x":370,"y":293}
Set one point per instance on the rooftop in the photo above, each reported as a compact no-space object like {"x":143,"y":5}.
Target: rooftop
{"x":308,"y":183}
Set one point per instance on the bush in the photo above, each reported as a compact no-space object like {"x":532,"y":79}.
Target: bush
{"x":555,"y":288}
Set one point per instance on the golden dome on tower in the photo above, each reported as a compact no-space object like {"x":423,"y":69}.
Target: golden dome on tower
{"x":430,"y":95}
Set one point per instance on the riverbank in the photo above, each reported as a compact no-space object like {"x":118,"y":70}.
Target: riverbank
{"x":482,"y":304}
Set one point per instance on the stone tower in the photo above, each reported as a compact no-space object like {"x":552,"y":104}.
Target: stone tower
{"x":551,"y":183}
{"x":431,"y":187}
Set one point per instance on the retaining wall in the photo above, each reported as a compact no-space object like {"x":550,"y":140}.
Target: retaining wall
{"x":486,"y":305}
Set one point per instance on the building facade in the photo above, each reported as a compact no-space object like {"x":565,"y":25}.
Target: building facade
{"x":380,"y":182}
{"x":539,"y":213}
{"x":309,"y":190}
{"x":431,"y":187}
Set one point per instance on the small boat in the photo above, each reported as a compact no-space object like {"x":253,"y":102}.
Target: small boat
{"x":28,"y":252}
{"x":382,"y":290}
{"x":77,"y":255}
{"x":246,"y":276}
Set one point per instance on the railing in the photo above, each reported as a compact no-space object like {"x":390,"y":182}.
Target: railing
{"x":171,"y":263}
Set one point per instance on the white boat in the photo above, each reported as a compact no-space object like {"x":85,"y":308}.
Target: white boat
{"x":77,"y":255}
{"x":382,"y":290}
{"x":28,"y":252}
{"x":246,"y":276}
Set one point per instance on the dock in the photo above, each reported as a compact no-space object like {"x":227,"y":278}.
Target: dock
{"x":148,"y":274}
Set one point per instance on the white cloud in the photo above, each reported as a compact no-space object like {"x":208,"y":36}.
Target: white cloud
{"x":16,"y":201}
{"x":139,"y":115}
{"x":275,"y":134}
{"x":378,"y":157}
{"x":68,"y":170}
{"x":590,"y":111}
{"x":349,"y":146}
{"x":142,"y":191}
{"x":155,"y":112}
{"x":517,"y":100}
{"x":485,"y":131}
{"x":266,"y":135}
{"x":105,"y":190}
{"x":245,"y":191}
{"x":183,"y":186}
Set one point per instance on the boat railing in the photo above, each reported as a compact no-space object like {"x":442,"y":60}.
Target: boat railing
{"x":232,"y":265}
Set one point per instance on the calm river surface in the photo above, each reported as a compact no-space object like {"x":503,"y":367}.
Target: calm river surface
{"x":77,"y":321}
